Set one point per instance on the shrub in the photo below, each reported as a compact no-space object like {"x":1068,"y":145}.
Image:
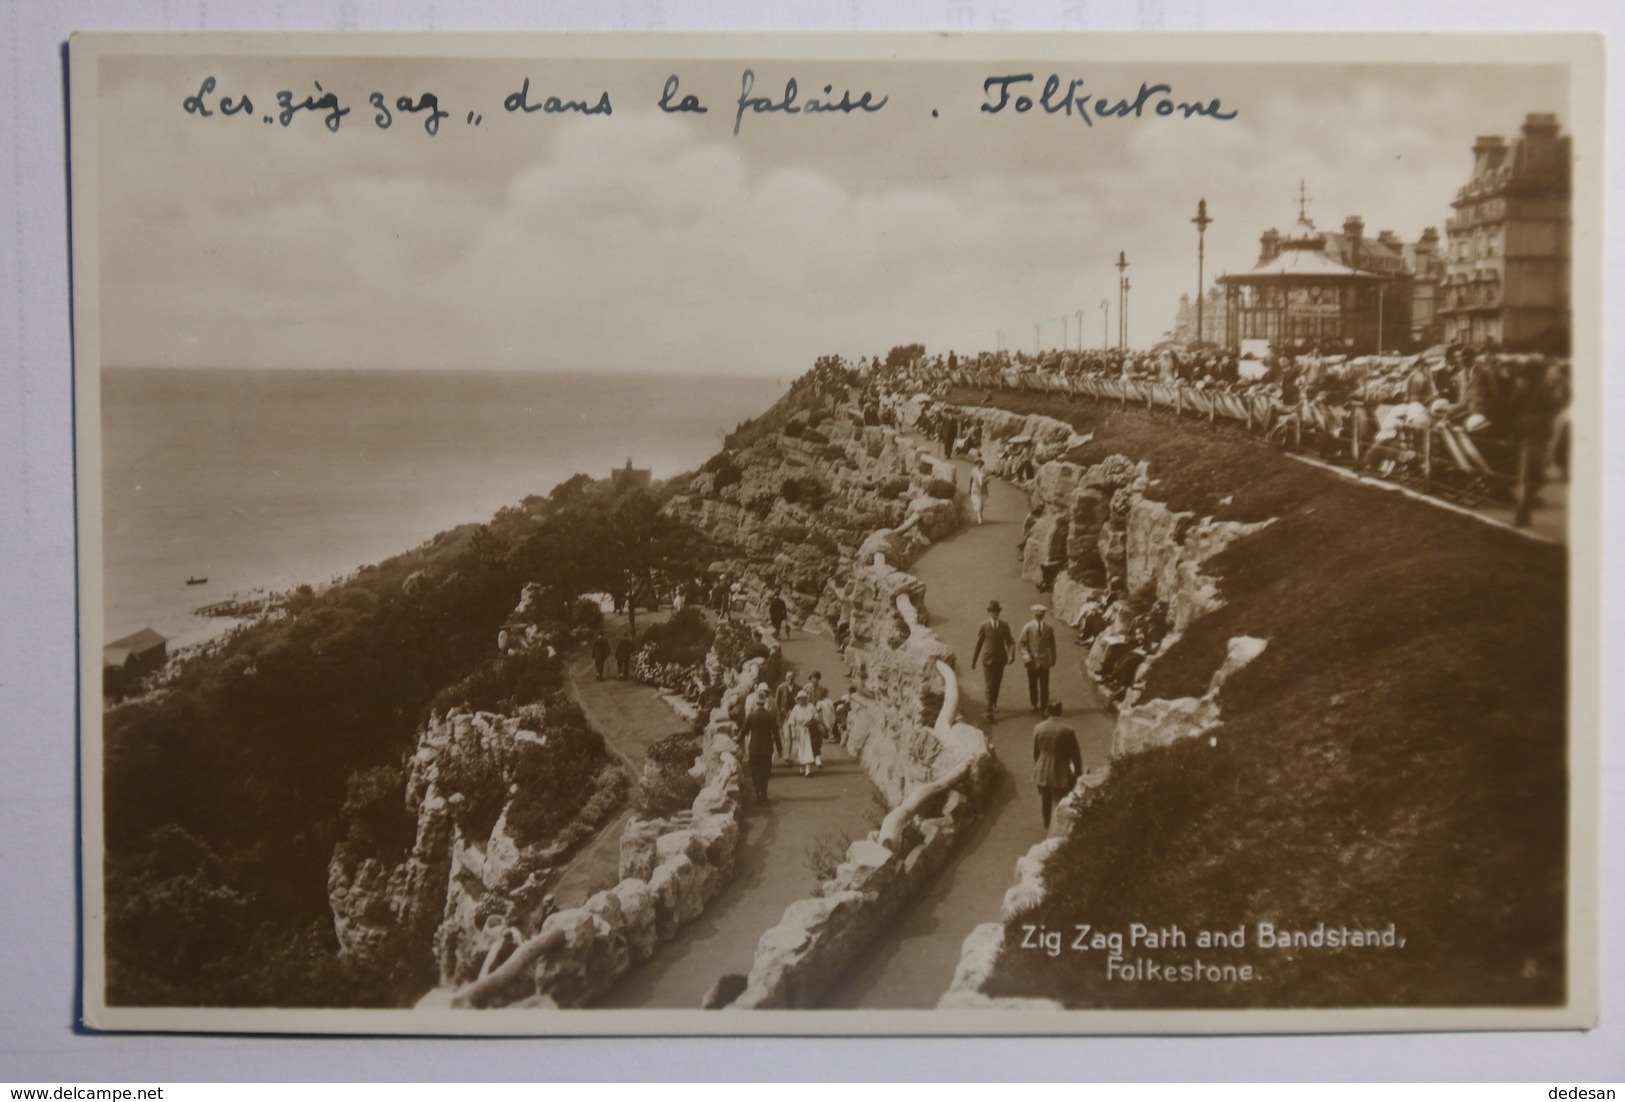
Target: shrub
{"x":555,"y":780}
{"x":894,"y":486}
{"x":804,"y":490}
{"x":586,"y":616}
{"x":941,"y":489}
{"x":794,"y":429}
{"x":668,"y":788}
{"x":724,"y":470}
{"x":682,"y":639}
{"x":503,"y":684}
{"x":376,"y":821}
{"x":734,"y":643}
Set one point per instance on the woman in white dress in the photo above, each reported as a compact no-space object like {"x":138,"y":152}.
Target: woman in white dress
{"x":978,"y":489}
{"x":798,"y":740}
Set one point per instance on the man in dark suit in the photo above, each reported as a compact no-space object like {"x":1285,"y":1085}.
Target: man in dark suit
{"x":600,"y":653}
{"x":994,"y":646}
{"x":623,"y":656}
{"x":1038,"y":655}
{"x":1057,"y":762}
{"x":761,"y":741}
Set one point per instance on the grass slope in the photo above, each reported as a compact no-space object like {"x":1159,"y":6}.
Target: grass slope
{"x":1397,"y":755}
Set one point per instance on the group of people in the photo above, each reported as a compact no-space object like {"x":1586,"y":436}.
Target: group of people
{"x":790,"y":722}
{"x":623,"y":655}
{"x":1057,"y":761}
{"x":996,"y":648}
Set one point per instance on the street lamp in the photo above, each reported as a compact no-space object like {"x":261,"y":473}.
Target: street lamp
{"x":1202,"y":222}
{"x":1079,"y":315}
{"x":1105,"y":323}
{"x":1122,"y":299}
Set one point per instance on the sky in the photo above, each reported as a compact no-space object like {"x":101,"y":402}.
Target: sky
{"x":641,"y":240}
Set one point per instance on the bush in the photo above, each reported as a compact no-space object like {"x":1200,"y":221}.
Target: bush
{"x":724,"y":470}
{"x":556,"y":780}
{"x":586,"y":616}
{"x":793,"y":430}
{"x":804,"y":490}
{"x":683,"y":639}
{"x":375,"y":815}
{"x":669,"y":788}
{"x":941,"y":489}
{"x":894,"y":486}
{"x":504,"y":684}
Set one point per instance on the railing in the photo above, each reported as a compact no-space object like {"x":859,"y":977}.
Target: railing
{"x":1441,"y":458}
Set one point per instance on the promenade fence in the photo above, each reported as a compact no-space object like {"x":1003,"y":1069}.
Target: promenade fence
{"x":1439,"y":458}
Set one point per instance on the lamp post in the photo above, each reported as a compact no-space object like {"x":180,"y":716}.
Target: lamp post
{"x":1122,"y":299}
{"x":1105,"y":323}
{"x":1202,"y":222}
{"x":1079,"y":315}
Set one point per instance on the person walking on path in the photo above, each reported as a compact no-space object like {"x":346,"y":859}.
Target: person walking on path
{"x":762,"y":741}
{"x":623,"y":656}
{"x":600,"y":653}
{"x":784,"y":699}
{"x":1057,"y":762}
{"x":947,"y":432}
{"x":798,"y":733}
{"x":824,"y":709}
{"x":994,"y":646}
{"x":978,"y":489}
{"x":1038,"y":655}
{"x":776,"y":612}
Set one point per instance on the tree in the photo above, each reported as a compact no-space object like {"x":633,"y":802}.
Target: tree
{"x":617,"y":542}
{"x":904,"y":354}
{"x":642,"y":545}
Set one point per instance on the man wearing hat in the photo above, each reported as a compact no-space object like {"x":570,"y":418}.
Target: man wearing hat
{"x":994,"y":645}
{"x":1038,"y":655}
{"x":761,"y":740}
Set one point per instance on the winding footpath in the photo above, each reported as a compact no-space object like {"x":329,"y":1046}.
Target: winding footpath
{"x":772,"y":868}
{"x":913,"y":964}
{"x":631,"y":717}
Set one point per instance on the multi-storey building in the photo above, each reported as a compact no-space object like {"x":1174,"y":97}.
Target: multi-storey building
{"x":1506,"y":281}
{"x":1214,"y":329}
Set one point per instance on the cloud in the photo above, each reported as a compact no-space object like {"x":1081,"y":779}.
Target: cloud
{"x":644,"y":241}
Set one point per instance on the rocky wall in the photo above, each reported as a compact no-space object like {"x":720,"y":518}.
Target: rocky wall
{"x":669,"y":868}
{"x":453,"y":890}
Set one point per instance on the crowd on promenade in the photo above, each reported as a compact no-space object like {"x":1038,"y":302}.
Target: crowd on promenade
{"x":1500,"y":421}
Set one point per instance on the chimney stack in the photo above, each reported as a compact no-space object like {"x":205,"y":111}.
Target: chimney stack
{"x":1354,"y":230}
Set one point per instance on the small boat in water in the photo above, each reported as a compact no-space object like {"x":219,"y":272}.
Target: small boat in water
{"x":196,"y":581}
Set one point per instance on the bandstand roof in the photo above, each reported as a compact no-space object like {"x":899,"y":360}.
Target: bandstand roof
{"x":1301,"y":264}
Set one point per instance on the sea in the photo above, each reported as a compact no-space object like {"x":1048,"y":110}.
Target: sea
{"x":261,"y":480}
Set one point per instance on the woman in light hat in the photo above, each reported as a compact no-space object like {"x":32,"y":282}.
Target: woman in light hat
{"x":798,"y":733}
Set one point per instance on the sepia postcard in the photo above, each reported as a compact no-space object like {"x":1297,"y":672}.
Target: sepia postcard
{"x":774,"y":534}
